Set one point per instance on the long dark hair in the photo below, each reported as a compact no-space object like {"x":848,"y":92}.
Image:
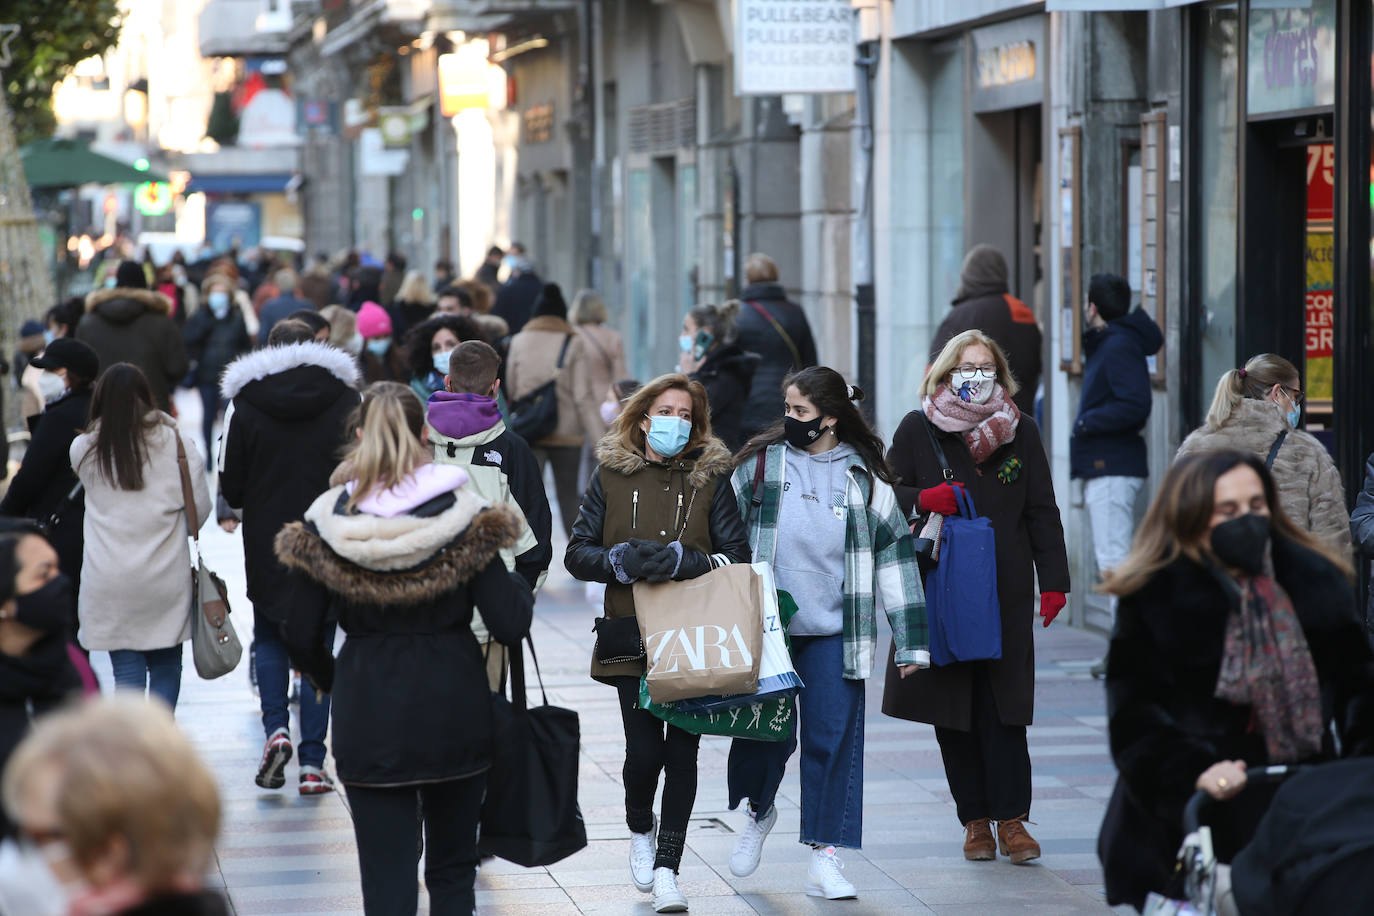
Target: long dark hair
{"x":833,"y":397}
{"x":122,"y":407}
{"x":422,"y":335}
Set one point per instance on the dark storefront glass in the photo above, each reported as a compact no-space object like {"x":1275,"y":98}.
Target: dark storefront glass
{"x":1216,"y":139}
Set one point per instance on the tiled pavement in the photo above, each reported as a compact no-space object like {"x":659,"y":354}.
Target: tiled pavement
{"x":283,"y":854}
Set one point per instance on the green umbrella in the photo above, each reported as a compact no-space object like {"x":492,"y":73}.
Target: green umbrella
{"x":59,"y":163}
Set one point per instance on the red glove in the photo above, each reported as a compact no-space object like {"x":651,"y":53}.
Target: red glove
{"x":940,"y":499}
{"x":1051,"y":603}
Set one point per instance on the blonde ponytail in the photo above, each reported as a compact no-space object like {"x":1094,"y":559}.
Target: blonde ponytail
{"x":1256,"y":380}
{"x":390,"y":421}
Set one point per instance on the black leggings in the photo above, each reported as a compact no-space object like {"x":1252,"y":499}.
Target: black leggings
{"x":653,"y":746}
{"x":385,"y":821}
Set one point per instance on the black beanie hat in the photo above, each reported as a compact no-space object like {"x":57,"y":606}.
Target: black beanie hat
{"x":550,"y":302}
{"x":131,"y":276}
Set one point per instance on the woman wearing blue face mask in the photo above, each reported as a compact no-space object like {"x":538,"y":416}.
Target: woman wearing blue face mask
{"x":215,"y":336}
{"x":658,"y":507}
{"x":428,"y":346}
{"x":1257,"y":409}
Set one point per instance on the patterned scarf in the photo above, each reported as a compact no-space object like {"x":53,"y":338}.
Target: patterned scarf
{"x":1266,"y":664}
{"x":986,"y":427}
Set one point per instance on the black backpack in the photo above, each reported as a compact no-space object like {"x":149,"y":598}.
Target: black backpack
{"x":535,"y":416}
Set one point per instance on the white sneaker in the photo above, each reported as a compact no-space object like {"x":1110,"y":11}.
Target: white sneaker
{"x":823,"y":878}
{"x":667,"y":898}
{"x":642,"y":849}
{"x":749,"y":847}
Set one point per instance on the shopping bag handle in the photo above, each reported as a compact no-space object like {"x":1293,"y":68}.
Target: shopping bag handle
{"x":517,"y":676}
{"x":965,"y":500}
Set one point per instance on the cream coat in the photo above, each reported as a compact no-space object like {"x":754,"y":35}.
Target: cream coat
{"x":532,"y":361}
{"x":602,"y":363}
{"x":1309,"y":485}
{"x":136,"y":574}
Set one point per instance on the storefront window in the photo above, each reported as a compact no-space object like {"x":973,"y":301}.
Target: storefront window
{"x":1292,"y":60}
{"x":1216,"y":141}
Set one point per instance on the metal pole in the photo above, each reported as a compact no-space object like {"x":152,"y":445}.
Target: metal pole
{"x":865,"y":303}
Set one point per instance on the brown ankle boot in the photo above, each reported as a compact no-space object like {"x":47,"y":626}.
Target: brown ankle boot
{"x":1016,"y":842}
{"x":979,"y":846}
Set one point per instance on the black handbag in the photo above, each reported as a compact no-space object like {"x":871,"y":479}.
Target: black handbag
{"x":617,"y":640}
{"x":530,"y":815}
{"x":535,"y":416}
{"x":49,"y":524}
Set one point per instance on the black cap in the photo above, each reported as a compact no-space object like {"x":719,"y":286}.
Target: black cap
{"x":70,"y":354}
{"x":130,"y":274}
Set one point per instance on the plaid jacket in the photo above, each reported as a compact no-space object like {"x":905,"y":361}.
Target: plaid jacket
{"x":879,"y":558}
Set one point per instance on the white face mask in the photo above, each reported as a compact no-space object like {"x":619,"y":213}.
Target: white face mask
{"x":609,"y":411}
{"x":52,"y":386}
{"x":355,"y":344}
{"x":27,"y":883}
{"x":975,"y":390}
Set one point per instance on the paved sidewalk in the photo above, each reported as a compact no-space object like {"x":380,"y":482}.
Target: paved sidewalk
{"x":280,"y":853}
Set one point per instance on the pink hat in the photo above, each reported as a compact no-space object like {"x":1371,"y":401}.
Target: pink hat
{"x":373,"y":320}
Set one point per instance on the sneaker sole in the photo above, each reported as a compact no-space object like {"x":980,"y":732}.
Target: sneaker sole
{"x":315,"y":789}
{"x":642,"y":888}
{"x":271,"y":774}
{"x":813,"y":890}
{"x":674,"y":906}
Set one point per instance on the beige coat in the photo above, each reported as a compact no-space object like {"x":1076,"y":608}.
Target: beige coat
{"x":592,"y":376}
{"x":1310,"y":489}
{"x":136,"y":571}
{"x":532,"y":361}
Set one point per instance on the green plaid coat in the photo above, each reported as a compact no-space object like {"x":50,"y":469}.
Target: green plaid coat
{"x":879,"y":559}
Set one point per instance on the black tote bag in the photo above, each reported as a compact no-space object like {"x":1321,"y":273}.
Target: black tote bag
{"x":535,"y":416}
{"x":530,"y":815}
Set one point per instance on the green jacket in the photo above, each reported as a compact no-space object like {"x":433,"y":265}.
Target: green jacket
{"x":879,"y":558}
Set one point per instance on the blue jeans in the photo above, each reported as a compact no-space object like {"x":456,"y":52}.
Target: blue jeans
{"x":831,"y":710}
{"x":156,"y":670}
{"x":274,"y":683}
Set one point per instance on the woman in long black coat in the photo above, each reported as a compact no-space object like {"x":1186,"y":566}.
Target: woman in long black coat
{"x":1207,"y":674}
{"x":980,"y":709}
{"x":711,"y":356}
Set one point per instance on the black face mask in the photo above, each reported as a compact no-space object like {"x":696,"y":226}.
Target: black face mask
{"x":51,"y":609}
{"x":1240,"y":543}
{"x":801,"y":434}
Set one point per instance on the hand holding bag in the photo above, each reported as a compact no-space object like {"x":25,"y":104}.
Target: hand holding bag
{"x":215,"y":646}
{"x":961,"y":591}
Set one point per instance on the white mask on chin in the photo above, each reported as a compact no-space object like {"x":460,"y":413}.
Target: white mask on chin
{"x":976,"y":391}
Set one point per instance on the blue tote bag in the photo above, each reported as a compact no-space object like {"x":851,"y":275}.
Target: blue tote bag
{"x":961,"y":592}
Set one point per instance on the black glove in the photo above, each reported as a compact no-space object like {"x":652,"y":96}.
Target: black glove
{"x":649,"y":560}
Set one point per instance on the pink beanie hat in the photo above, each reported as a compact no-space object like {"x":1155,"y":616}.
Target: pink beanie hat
{"x":373,"y":320}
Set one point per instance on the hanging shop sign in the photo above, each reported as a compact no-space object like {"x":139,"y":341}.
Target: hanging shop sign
{"x":787,"y":46}
{"x":153,"y":198}
{"x":536,"y":123}
{"x":1007,"y":71}
{"x":465,"y":79}
{"x":394,"y":124}
{"x":1292,"y":59}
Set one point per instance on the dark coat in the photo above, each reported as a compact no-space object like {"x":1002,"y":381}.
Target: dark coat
{"x":726,"y":374}
{"x":213,"y":343}
{"x":757,"y":335}
{"x":126,"y":325}
{"x":1362,"y":527}
{"x":1166,"y":726}
{"x":204,"y":903}
{"x":1030,"y":542}
{"x":390,"y":367}
{"x":515,"y":300}
{"x":1115,"y":403}
{"x":411,"y":703}
{"x":406,"y":315}
{"x":46,"y":477}
{"x":277,"y":309}
{"x":610,"y":515}
{"x":282,"y":435}
{"x":30,"y":685}
{"x":1011,"y":323}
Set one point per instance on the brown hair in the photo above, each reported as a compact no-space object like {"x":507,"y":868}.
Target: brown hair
{"x":1256,"y":380}
{"x":760,"y":268}
{"x":720,"y":321}
{"x":289,"y":331}
{"x":938,"y":373}
{"x":1177,"y":522}
{"x":478,"y":292}
{"x":472,"y":367}
{"x":121,"y":416}
{"x":625,"y":431}
{"x":392,"y":420}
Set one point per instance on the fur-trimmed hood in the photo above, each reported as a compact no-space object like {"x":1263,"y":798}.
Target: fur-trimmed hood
{"x":407,"y":560}
{"x":710,"y":460}
{"x":259,"y":364}
{"x":123,"y":304}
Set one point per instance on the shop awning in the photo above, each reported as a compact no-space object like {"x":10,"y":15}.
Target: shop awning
{"x":61,"y":163}
{"x":238,"y":184}
{"x":1112,"y":6}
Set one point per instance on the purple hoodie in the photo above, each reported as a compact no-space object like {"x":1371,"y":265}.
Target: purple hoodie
{"x":461,"y":415}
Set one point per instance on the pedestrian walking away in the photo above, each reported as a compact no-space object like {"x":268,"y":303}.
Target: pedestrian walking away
{"x":657,"y":462}
{"x":777,"y":330}
{"x":286,"y":423}
{"x":1258,"y":409}
{"x":593,"y":376}
{"x":816,"y":495}
{"x":1106,"y":450}
{"x":711,"y":355}
{"x":401,"y":551}
{"x":970,"y":426}
{"x":1237,"y":645}
{"x":135,"y":591}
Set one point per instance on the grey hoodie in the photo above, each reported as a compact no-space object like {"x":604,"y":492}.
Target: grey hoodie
{"x":809,"y":562}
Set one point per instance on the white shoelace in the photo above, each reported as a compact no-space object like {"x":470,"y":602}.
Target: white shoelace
{"x":832,"y":866}
{"x":752,"y":837}
{"x":642,"y":849}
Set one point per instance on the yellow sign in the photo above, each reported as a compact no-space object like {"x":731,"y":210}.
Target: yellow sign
{"x":463,"y":80}
{"x":1004,"y":65}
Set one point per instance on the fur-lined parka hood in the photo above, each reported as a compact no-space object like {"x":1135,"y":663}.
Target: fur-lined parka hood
{"x":259,"y":364}
{"x":710,"y":460}
{"x":122,"y":304}
{"x":407,"y":560}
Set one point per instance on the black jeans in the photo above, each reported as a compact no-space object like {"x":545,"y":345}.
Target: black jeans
{"x":385,"y":821}
{"x":653,"y":746}
{"x":988,"y":767}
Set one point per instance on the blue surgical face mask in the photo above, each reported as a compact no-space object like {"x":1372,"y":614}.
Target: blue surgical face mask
{"x":378,"y":346}
{"x":219,"y":303}
{"x":49,"y":336}
{"x":111,"y":282}
{"x":668,"y":435}
{"x":441,"y":362}
{"x":1294,"y":416}
{"x":684,"y":343}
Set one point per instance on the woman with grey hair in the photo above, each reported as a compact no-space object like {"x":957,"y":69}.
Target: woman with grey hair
{"x":711,"y":356}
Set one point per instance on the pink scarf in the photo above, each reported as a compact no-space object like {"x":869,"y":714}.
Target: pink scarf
{"x":986,"y":427}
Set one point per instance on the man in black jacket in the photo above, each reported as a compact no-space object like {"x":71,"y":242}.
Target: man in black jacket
{"x":775,"y":329}
{"x":515,"y":300}
{"x":133,"y":324}
{"x":289,"y":404}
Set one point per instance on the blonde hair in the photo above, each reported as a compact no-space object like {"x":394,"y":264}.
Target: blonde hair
{"x":760,"y":268}
{"x":391,"y":420}
{"x":587,"y":308}
{"x":414,"y":288}
{"x":938,"y":373}
{"x":1256,"y":380}
{"x":124,"y":771}
{"x":343,"y":324}
{"x":625,"y":431}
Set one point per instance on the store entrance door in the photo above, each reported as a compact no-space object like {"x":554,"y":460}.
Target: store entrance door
{"x":1004,"y":194}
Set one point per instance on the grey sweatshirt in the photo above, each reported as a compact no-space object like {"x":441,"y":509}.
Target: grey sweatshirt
{"x":809,"y":563}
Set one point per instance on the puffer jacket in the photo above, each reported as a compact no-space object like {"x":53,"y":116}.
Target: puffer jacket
{"x":533,"y":361}
{"x":1310,"y":489}
{"x":125,"y":325}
